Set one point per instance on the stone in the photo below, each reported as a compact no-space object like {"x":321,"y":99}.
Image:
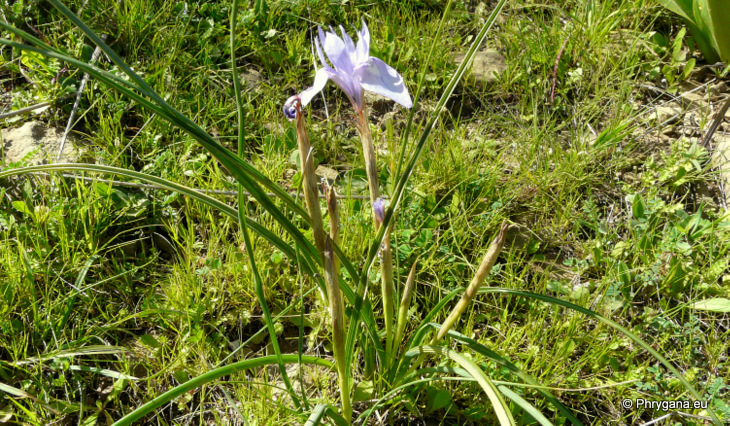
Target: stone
{"x":667,"y":114}
{"x":37,"y":143}
{"x":251,"y":79}
{"x":486,"y":66}
{"x":717,"y":88}
{"x":311,"y":377}
{"x":326,"y":172}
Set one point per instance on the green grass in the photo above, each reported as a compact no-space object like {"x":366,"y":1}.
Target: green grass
{"x":617,"y":228}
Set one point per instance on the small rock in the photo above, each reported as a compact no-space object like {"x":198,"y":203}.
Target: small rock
{"x":274,"y":127}
{"x":37,"y":143}
{"x":252,"y":79}
{"x":487,"y":66}
{"x":667,"y":114}
{"x":717,"y":88}
{"x":326,"y":172}
{"x":395,"y":118}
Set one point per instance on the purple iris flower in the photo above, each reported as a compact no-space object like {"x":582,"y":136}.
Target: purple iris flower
{"x":354,"y":70}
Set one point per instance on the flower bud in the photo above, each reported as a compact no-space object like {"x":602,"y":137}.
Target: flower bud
{"x":292,"y":107}
{"x":379,"y":209}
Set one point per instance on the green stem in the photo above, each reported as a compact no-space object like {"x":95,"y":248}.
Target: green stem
{"x":388,"y":294}
{"x":368,"y":153}
{"x":386,"y":273}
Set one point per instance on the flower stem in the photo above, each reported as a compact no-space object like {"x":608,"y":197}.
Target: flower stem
{"x":388,"y":289}
{"x":386,"y":273}
{"x":368,"y":152}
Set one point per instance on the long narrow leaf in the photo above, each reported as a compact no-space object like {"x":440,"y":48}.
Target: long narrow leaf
{"x":308,"y":266}
{"x":419,"y":88}
{"x":223,"y":155}
{"x":163,"y":184}
{"x":410,"y":167}
{"x":242,"y":219}
{"x":244,"y":173}
{"x":259,"y":290}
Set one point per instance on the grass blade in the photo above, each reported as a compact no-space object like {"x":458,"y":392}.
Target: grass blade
{"x":102,"y":371}
{"x":77,"y":285}
{"x":68,"y":353}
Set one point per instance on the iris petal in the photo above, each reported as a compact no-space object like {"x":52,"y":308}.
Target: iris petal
{"x":318,"y":45}
{"x":320,"y":80}
{"x":363,"y":43}
{"x":378,"y":77}
{"x":350,"y":46}
{"x":336,"y":51}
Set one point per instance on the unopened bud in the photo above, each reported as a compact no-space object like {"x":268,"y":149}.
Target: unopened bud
{"x":292,"y":107}
{"x":379,"y":209}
